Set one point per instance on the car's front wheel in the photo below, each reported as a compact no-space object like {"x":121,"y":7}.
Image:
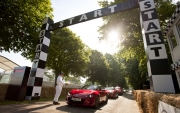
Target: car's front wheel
{"x":96,"y":105}
{"x":117,"y":95}
{"x":121,"y":94}
{"x":69,"y":104}
{"x":106,"y":101}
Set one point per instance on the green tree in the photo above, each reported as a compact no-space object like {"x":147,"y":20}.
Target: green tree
{"x":97,"y":70}
{"x":163,"y":13}
{"x":49,"y":74}
{"x":73,"y":80}
{"x":133,"y":76}
{"x":20,"y":22}
{"x":88,"y":82}
{"x":114,"y":76}
{"x":67,"y":53}
{"x":128,"y":25}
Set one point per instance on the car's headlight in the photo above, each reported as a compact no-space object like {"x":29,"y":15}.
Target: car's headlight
{"x":89,"y":96}
{"x":69,"y":94}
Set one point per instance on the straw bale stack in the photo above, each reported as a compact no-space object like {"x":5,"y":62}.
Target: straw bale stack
{"x":172,"y":99}
{"x":148,"y":100}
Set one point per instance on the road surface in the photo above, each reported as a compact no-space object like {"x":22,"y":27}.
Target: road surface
{"x":123,"y":104}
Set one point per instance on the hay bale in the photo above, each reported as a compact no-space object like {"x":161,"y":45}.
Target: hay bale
{"x":144,"y":103}
{"x":47,"y":92}
{"x":148,"y":100}
{"x":152,"y":101}
{"x":3,"y":90}
{"x":145,"y":99}
{"x":66,"y":90}
{"x":135,"y":95}
{"x":141,"y":99}
{"x":172,"y":99}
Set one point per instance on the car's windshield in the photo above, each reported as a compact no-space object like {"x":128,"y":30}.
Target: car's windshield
{"x":90,"y":87}
{"x":109,"y":88}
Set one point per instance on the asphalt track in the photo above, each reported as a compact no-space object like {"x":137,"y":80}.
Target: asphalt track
{"x":123,"y":104}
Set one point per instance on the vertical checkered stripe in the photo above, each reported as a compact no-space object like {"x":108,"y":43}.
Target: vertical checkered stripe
{"x":157,"y":61}
{"x":172,"y":19}
{"x":39,"y":62}
{"x":175,"y":65}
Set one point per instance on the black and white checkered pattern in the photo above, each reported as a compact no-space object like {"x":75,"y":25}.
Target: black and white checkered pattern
{"x":172,"y":19}
{"x":37,"y":71}
{"x":157,"y":62}
{"x":175,"y":65}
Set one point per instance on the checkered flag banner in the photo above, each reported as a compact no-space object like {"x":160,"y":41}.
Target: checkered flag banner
{"x":1,"y":49}
{"x":175,"y":65}
{"x":172,"y":19}
{"x":34,"y":84}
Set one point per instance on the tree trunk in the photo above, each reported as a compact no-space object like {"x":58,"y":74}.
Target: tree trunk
{"x":56,"y":75}
{"x":92,"y":82}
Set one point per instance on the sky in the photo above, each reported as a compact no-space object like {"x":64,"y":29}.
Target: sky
{"x":64,"y":9}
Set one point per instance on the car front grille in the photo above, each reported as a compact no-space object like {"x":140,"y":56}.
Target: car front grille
{"x":76,"y":102}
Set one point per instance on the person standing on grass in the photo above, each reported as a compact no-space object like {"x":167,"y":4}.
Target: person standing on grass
{"x":59,"y":85}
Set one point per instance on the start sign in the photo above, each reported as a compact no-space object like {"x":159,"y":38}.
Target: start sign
{"x":124,"y":6}
{"x":157,"y":62}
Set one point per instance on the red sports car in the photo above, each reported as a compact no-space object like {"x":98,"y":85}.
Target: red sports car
{"x":112,"y":92}
{"x":89,"y":95}
{"x":120,"y":91}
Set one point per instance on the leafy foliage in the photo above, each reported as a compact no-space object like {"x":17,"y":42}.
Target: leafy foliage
{"x":67,"y":53}
{"x":163,"y":13}
{"x":20,"y":22}
{"x":132,"y":49}
{"x":74,"y":80}
{"x":114,"y":75}
{"x":133,"y":76}
{"x":97,"y":70}
{"x":49,"y":74}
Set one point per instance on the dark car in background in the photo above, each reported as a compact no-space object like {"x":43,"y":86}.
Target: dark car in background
{"x":89,"y":95}
{"x":112,"y":92}
{"x":119,"y":89}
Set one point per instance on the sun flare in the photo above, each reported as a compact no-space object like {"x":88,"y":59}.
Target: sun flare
{"x":111,"y":43}
{"x":113,"y":35}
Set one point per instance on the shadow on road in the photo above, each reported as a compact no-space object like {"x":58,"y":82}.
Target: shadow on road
{"x":128,"y":96}
{"x":81,"y":109}
{"x":20,"y":109}
{"x":113,"y":98}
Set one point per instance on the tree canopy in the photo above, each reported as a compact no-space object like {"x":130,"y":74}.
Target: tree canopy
{"x":114,"y":77}
{"x":67,"y":53}
{"x":20,"y":22}
{"x":127,"y":24}
{"x":97,"y":70}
